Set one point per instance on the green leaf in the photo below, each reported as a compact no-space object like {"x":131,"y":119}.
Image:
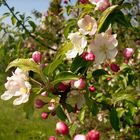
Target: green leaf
{"x":70,"y":24}
{"x":73,"y":128}
{"x":79,"y":65}
{"x":98,"y":73}
{"x":64,"y":76}
{"x":13,"y":19}
{"x":69,"y":108}
{"x":114,"y":120}
{"x":25,"y":64}
{"x":82,"y":115}
{"x":33,"y":25}
{"x":93,"y":107}
{"x":60,"y":113}
{"x":58,"y":59}
{"x":104,"y":16}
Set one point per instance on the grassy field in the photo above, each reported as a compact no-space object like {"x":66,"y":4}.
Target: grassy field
{"x":15,"y":126}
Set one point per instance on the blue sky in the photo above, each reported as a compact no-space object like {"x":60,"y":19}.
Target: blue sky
{"x":26,"y":6}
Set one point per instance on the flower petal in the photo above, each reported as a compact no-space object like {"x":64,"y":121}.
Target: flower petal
{"x":22,"y":99}
{"x":112,"y":53}
{"x":7,"y":95}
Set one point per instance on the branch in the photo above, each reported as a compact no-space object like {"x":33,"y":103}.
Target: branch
{"x":23,"y":26}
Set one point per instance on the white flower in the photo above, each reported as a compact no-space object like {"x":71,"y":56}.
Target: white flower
{"x":79,"y":42}
{"x":87,"y":25}
{"x":17,"y":85}
{"x":76,"y":98}
{"x":100,"y":4}
{"x":104,"y":47}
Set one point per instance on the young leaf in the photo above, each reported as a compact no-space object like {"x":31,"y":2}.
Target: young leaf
{"x":25,"y":64}
{"x":58,"y":59}
{"x":13,"y":19}
{"x":114,"y":120}
{"x":60,"y":113}
{"x":82,"y":115}
{"x":64,"y":76}
{"x":105,"y":14}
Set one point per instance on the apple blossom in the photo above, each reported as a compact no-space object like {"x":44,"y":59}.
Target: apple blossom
{"x":52,"y":138}
{"x":36,"y":56}
{"x":79,"y":137}
{"x":101,"y":4}
{"x":114,"y":67}
{"x":104,"y":47}
{"x":44,"y":115}
{"x":39,"y":103}
{"x":17,"y":85}
{"x":128,"y":52}
{"x":79,"y":84}
{"x":92,"y":88}
{"x":88,"y":56}
{"x":51,"y":105}
{"x":62,"y":87}
{"x":93,"y":135}
{"x":79,"y":42}
{"x":62,"y":128}
{"x":87,"y":25}
{"x":84,"y":1}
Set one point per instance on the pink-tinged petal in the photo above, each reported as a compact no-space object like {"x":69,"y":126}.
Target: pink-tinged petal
{"x":100,"y":57}
{"x":22,"y":99}
{"x":87,"y":25}
{"x":7,"y":95}
{"x":112,"y":53}
{"x":83,"y":32}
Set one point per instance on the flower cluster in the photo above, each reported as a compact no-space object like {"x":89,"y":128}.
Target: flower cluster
{"x":17,"y":86}
{"x":102,"y":45}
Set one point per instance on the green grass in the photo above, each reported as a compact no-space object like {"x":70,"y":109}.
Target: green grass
{"x":15,"y":126}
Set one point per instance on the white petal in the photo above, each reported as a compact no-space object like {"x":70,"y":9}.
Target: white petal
{"x":71,"y":54}
{"x":112,"y":53}
{"x":99,"y":57}
{"x":7,"y":95}
{"x":22,"y":99}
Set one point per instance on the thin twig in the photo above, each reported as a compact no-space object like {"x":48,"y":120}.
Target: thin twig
{"x":23,"y":26}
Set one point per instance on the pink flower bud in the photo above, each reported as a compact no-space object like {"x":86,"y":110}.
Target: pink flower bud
{"x":66,"y":1}
{"x":93,"y":135}
{"x":88,"y":56}
{"x":128,"y":52}
{"x":114,"y":67}
{"x":79,"y":137}
{"x":103,"y":5}
{"x":84,"y":1}
{"x":39,"y":103}
{"x":36,"y":56}
{"x":53,"y":113}
{"x":62,"y":87}
{"x":92,"y":88}
{"x":44,"y":94}
{"x":62,"y":128}
{"x":51,"y":106}
{"x":52,"y":138}
{"x":44,"y":115}
{"x":79,"y":84}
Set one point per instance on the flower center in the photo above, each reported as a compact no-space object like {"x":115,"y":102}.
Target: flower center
{"x":23,"y":90}
{"x":89,"y":27}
